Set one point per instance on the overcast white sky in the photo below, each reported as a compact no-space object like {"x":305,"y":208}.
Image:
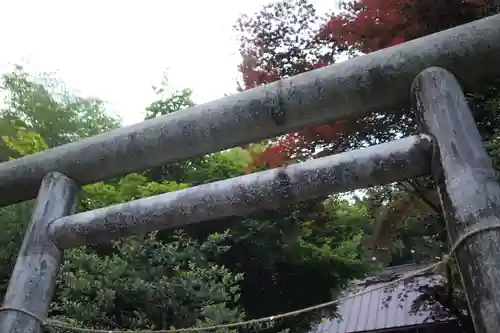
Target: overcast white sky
{"x":116,"y":50}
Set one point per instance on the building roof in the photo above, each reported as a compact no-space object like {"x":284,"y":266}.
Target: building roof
{"x":381,"y":309}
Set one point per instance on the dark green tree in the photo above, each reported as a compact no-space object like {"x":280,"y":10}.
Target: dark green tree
{"x":292,"y":257}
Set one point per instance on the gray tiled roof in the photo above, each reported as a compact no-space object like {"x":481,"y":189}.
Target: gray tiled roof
{"x":367,"y":312}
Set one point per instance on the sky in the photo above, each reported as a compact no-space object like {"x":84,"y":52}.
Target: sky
{"x":117,"y":50}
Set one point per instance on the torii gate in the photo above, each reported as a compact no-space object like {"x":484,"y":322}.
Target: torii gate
{"x":450,"y":148}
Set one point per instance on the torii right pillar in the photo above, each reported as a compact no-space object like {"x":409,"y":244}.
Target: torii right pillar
{"x":468,"y":188}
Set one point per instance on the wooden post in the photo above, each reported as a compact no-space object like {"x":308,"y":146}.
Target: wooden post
{"x":32,"y":283}
{"x":468,"y":189}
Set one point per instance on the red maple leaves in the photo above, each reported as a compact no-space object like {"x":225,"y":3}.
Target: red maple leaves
{"x":276,"y":46}
{"x":371,"y":25}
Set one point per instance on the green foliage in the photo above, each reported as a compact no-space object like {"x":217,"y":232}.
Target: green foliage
{"x":169,"y":103}
{"x":25,"y":142}
{"x":211,"y":273}
{"x":43,"y":105}
{"x":131,"y":187}
{"x":139,"y":282}
{"x":401,"y":212}
{"x":15,"y":218}
{"x":293,"y":257}
{"x":218,"y":166}
{"x":149,"y":283}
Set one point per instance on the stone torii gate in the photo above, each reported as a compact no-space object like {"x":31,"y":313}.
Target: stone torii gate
{"x":426,"y":70}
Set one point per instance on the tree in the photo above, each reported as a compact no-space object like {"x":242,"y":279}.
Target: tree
{"x":292,"y":257}
{"x":287,"y":38}
{"x":215,"y":272}
{"x":408,"y":225}
{"x":38,"y":113}
{"x":138,"y":282}
{"x":43,"y":105}
{"x":371,"y":25}
{"x":144,"y":281}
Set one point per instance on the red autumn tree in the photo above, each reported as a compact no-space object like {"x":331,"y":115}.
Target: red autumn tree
{"x":288,"y":37}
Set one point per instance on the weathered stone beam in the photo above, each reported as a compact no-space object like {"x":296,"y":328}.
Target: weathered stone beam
{"x":239,"y":196}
